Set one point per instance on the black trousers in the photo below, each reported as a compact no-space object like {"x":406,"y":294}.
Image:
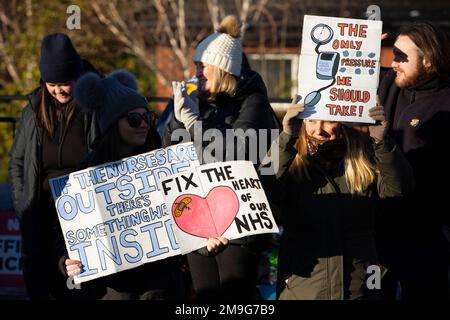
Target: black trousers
{"x":230,"y":275}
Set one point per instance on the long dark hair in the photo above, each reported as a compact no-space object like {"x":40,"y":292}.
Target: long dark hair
{"x":47,"y":110}
{"x":107,"y":148}
{"x":433,"y":43}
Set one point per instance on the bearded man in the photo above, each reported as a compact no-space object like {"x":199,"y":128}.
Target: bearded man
{"x":416,"y":96}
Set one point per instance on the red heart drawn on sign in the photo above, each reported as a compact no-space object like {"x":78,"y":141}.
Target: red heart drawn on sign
{"x":206,"y":217}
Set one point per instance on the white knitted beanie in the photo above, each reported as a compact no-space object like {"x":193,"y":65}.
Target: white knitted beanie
{"x":222,"y":49}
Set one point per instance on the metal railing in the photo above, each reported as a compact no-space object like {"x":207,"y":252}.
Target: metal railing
{"x":14,"y":120}
{"x":8,"y":119}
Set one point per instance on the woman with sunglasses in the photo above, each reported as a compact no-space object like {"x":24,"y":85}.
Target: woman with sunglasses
{"x":126,"y":127}
{"x":53,"y":136}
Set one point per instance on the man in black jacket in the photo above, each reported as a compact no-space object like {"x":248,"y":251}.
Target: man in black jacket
{"x":416,"y":97}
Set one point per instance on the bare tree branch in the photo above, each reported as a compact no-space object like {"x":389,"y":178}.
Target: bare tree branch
{"x":10,"y":66}
{"x":199,"y":37}
{"x":181,"y":22}
{"x":118,"y":19}
{"x":273,"y":25}
{"x":171,"y":36}
{"x":213,"y":8}
{"x":7,"y":58}
{"x":7,"y":22}
{"x":114,"y":30}
{"x":283,"y":37}
{"x":130,"y":42}
{"x":259,"y":7}
{"x":29,"y":8}
{"x":173,"y":5}
{"x":243,"y":16}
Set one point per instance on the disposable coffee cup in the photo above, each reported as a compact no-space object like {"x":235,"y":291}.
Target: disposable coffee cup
{"x":192,"y":85}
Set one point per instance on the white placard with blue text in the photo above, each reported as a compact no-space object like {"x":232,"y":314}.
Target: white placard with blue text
{"x":339,"y":68}
{"x":113,"y":216}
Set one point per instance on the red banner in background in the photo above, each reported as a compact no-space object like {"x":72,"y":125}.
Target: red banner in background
{"x":10,"y":257}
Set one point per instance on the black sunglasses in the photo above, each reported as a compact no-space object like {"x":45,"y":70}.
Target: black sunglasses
{"x":135,"y":118}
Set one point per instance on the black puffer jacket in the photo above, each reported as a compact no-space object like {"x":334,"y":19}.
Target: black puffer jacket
{"x":249,"y":108}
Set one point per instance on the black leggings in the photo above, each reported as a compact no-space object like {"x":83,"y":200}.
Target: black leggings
{"x":230,"y":275}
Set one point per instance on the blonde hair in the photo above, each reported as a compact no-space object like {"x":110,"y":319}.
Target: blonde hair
{"x":359,"y":170}
{"x":221,"y":81}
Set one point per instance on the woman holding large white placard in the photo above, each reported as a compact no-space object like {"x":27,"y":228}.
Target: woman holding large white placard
{"x":126,"y":128}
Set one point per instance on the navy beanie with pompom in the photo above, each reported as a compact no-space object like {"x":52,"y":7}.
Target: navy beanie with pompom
{"x":110,"y":97}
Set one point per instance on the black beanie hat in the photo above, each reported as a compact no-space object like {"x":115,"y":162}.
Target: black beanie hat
{"x":60,"y":61}
{"x":110,"y":97}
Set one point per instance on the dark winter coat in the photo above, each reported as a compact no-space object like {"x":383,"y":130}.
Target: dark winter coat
{"x":419,"y":119}
{"x":329,"y":238}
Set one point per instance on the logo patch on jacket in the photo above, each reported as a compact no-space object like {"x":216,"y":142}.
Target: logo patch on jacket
{"x":414,"y":122}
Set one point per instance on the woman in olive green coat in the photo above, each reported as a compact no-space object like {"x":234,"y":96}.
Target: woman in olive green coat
{"x":324,"y":188}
